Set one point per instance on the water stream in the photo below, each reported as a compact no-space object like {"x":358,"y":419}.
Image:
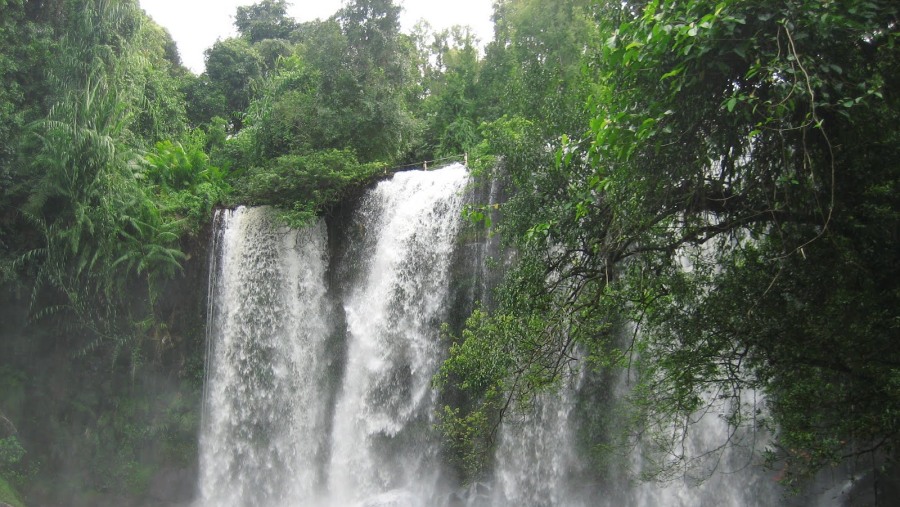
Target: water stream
{"x":383,"y":441}
{"x":273,"y":434}
{"x":265,"y":428}
{"x":320,"y":363}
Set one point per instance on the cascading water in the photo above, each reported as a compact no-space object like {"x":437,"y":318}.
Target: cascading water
{"x":275,"y":433}
{"x":537,"y":462}
{"x":384,"y":449}
{"x":319,"y":372}
{"x":264,"y":429}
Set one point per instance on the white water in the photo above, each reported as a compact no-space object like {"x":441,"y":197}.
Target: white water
{"x":537,"y":462}
{"x":729,"y":476}
{"x":273,"y":434}
{"x":383,"y":443}
{"x":307,"y":405}
{"x":264,"y":429}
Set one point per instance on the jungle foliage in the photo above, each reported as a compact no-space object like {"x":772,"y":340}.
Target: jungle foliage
{"x":99,"y":207}
{"x":722,"y":227}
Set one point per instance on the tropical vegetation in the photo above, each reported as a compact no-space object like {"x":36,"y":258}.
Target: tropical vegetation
{"x":703,"y":204}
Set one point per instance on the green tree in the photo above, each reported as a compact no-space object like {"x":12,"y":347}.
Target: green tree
{"x":732,"y":198}
{"x":264,"y":20}
{"x":102,"y":231}
{"x":162,"y":113}
{"x":285,"y":114}
{"x":534,"y":66}
{"x":233,"y":66}
{"x":23,"y":53}
{"x":204,"y":100}
{"x":451,"y":89}
{"x":304,"y":186}
{"x":11,"y":15}
{"x":184,"y":183}
{"x":91,"y":235}
{"x":365,"y":94}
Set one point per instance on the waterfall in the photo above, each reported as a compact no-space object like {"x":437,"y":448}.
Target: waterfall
{"x":322,"y":347}
{"x":269,"y":324}
{"x":726,"y":465}
{"x":539,"y":462}
{"x":536,"y":458}
{"x":383,"y":442}
{"x":264,"y":430}
{"x":278,"y":429}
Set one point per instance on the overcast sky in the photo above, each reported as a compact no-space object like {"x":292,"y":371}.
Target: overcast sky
{"x":196,"y":24}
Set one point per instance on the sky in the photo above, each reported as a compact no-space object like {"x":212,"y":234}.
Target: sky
{"x":196,"y":24}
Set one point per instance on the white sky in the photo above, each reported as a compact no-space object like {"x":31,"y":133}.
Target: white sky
{"x":196,"y":24}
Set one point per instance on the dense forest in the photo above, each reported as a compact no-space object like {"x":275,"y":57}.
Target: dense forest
{"x":703,"y":195}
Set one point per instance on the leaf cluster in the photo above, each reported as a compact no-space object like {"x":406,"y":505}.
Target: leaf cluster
{"x":304,"y":186}
{"x":724,"y":205}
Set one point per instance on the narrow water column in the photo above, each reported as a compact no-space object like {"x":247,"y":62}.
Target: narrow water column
{"x":263,"y":439}
{"x":536,"y":462}
{"x":384,"y":447}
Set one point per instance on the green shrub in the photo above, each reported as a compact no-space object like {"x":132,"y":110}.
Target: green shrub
{"x":304,"y":185}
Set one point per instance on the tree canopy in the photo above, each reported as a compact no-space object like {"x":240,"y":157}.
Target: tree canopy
{"x":723,"y":226}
